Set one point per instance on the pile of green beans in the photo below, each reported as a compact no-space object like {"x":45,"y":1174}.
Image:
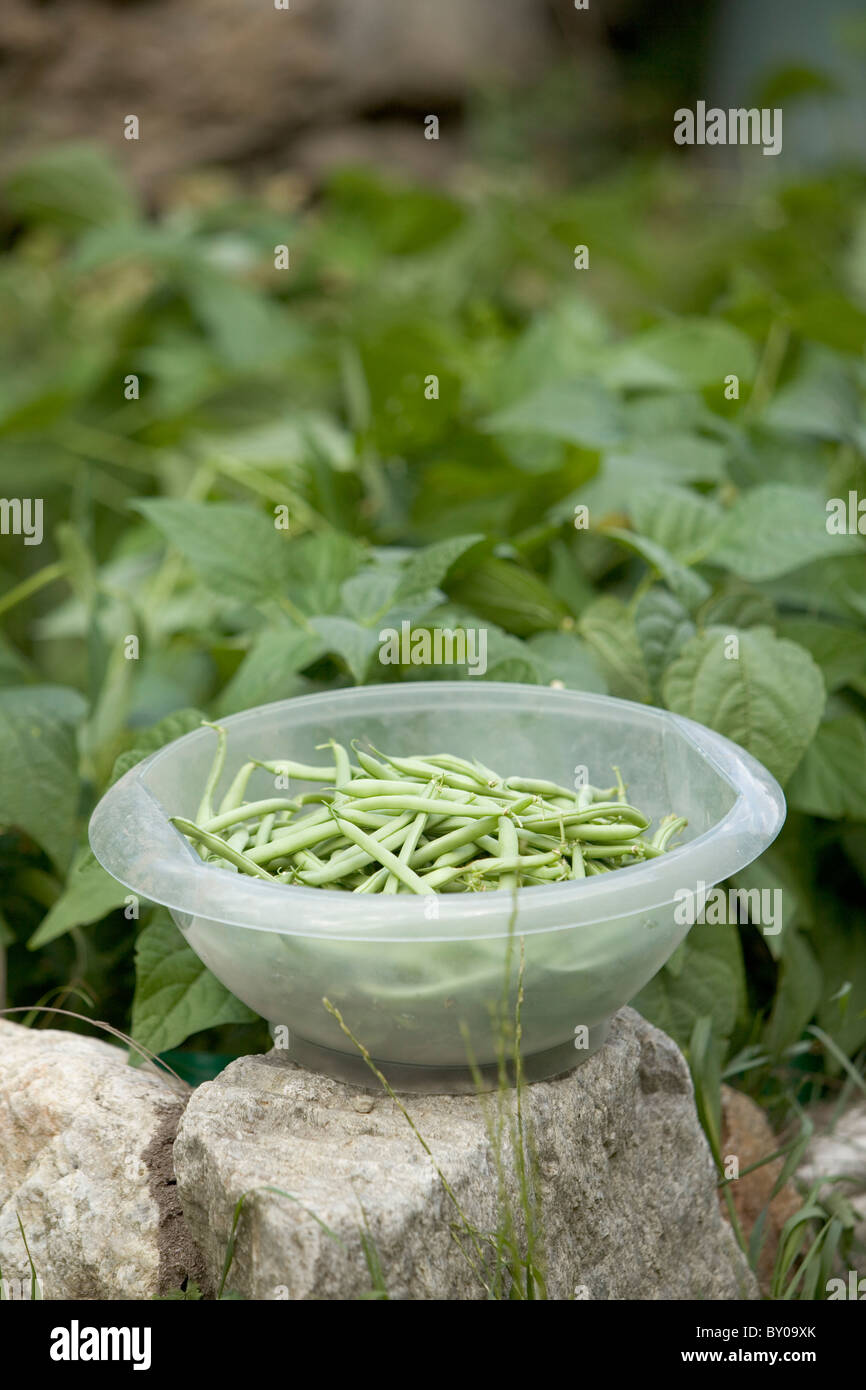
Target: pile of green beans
{"x":432,"y":824}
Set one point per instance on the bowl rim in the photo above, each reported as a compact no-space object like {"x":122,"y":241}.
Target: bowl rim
{"x":180,"y":881}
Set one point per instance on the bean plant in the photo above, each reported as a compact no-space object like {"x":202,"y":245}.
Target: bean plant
{"x":644,"y":477}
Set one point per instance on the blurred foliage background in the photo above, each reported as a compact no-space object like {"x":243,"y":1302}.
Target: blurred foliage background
{"x":304,"y":388}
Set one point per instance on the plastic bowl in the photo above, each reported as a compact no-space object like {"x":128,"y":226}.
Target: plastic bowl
{"x":417,"y":979}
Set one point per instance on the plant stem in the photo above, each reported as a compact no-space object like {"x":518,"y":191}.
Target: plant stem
{"x":30,"y":586}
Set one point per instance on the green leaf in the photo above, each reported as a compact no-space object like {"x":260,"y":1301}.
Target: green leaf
{"x":39,"y":765}
{"x":567,"y":579}
{"x":623,"y":474}
{"x":516,"y":669}
{"x":235,"y":549}
{"x":561,"y":344}
{"x":348,"y":639}
{"x":370,"y":593}
{"x":512,"y":597}
{"x":774,"y":529}
{"x":663,"y":627}
{"x":789,"y":81}
{"x":72,"y":186}
{"x":674,"y":517}
{"x":709,"y":981}
{"x":318,"y":567}
{"x":835,"y":585}
{"x":609,"y":630}
{"x":175,"y":994}
{"x":269,"y":671}
{"x":90,"y":894}
{"x":705,"y":1052}
{"x":690,"y":588}
{"x":7,"y":935}
{"x":831,"y":779}
{"x":247,"y":329}
{"x":58,"y":702}
{"x":674,"y":458}
{"x":14,"y":669}
{"x":738,"y":606}
{"x":838,"y":943}
{"x":147,"y":741}
{"x":783,"y":869}
{"x":427,"y":568}
{"x":820,"y":400}
{"x":563,"y":656}
{"x":797,"y":992}
{"x":687,"y":352}
{"x":839,"y":651}
{"x":769,"y":698}
{"x":581,"y":412}
{"x":192,"y":1293}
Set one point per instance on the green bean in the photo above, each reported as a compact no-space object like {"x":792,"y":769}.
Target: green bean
{"x":508,"y":864}
{"x":459,"y":855}
{"x":455,"y":839}
{"x":352,"y":859}
{"x":375,"y":883}
{"x":263,"y":834}
{"x":219,"y":847}
{"x":302,"y":838}
{"x":508,"y":847}
{"x":671,"y":825}
{"x":237,"y":841}
{"x":371,"y":766}
{"x":342,"y":766}
{"x":378,"y":851}
{"x":458,"y":765}
{"x":419,"y":825}
{"x":421,"y":769}
{"x":622,"y":826}
{"x":205,"y":810}
{"x":410,"y":843}
{"x":437,"y":878}
{"x":357,"y":813}
{"x":648,"y":849}
{"x":303,"y":772}
{"x":529,"y":784}
{"x":607,"y":851}
{"x":367,"y":787}
{"x":235,"y":794}
{"x":373,"y":786}
{"x":248,"y":812}
{"x":437,"y":806}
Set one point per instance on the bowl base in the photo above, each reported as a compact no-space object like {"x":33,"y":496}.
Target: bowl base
{"x":429,"y":1080}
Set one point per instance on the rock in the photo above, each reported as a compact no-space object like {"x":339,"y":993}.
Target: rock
{"x":625,"y":1181}
{"x":746,"y":1134}
{"x":840,"y":1149}
{"x":85,"y":1161}
{"x":233,"y":80}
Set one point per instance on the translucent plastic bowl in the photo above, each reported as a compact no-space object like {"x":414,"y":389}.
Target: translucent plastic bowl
{"x":420,"y":991}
